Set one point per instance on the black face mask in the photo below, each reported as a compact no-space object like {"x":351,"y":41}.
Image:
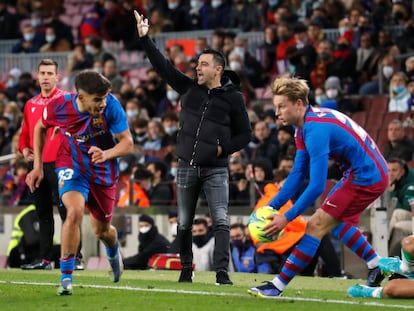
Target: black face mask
{"x":342,"y":47}
{"x":200,"y":240}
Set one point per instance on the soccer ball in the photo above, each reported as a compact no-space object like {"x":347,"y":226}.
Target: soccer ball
{"x":257,"y":221}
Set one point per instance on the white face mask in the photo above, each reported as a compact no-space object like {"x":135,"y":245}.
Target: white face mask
{"x":173,"y":171}
{"x":144,"y":229}
{"x":215,"y":3}
{"x":387,"y":71}
{"x":235,"y":65}
{"x":332,"y":93}
{"x":173,"y":230}
{"x":172,"y":95}
{"x":132,"y":113}
{"x":170,"y":130}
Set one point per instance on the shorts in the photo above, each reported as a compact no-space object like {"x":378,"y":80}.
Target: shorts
{"x":100,"y":199}
{"x":347,"y":201}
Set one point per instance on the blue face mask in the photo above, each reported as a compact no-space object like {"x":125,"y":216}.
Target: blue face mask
{"x":399,"y":89}
{"x":273,"y":3}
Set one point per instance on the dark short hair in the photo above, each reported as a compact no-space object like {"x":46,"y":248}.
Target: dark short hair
{"x":92,"y":82}
{"x":217,"y":56}
{"x":200,"y":221}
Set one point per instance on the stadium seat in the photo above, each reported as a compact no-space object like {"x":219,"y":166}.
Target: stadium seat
{"x":382,"y":138}
{"x":411,"y":163}
{"x":389,"y":116}
{"x":360,"y":117}
{"x":373,"y":132}
{"x":379,"y":103}
{"x":375,"y":120}
{"x":409,"y":132}
{"x":365,"y":102}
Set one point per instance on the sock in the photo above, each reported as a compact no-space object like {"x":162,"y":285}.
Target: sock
{"x":299,"y":259}
{"x":353,"y":238}
{"x":67,"y":265}
{"x":407,"y":261}
{"x":112,"y":252}
{"x":376,"y":292}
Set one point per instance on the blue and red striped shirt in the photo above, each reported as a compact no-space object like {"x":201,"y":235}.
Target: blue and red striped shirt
{"x":329,"y":134}
{"x":81,"y":131}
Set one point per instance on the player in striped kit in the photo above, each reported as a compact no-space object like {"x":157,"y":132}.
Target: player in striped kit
{"x":96,"y":132}
{"x":323,"y":134}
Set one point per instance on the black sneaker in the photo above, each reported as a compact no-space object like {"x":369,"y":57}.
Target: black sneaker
{"x":222,"y":278}
{"x":37,"y":265}
{"x":186,"y":275}
{"x":375,"y":277}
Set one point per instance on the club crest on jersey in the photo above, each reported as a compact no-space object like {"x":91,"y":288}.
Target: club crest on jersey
{"x":97,"y":122}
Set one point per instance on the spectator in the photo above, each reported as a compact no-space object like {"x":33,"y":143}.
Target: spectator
{"x":398,"y":145}
{"x":141,"y":186}
{"x":95,"y":51}
{"x":315,"y":34}
{"x":368,"y":59}
{"x":134,"y":111}
{"x":203,"y":246}
{"x":78,"y":60}
{"x":344,"y":62}
{"x":177,"y":13}
{"x":286,"y":141}
{"x":155,"y":136}
{"x":267,"y":49}
{"x":401,"y":186}
{"x":118,"y":22}
{"x":20,"y":195}
{"x":54,"y":43}
{"x":335,"y":98}
{"x":324,"y":64}
{"x":150,"y":242}
{"x":111,"y":72}
{"x":263,"y":145}
{"x":30,"y":41}
{"x":217,"y":15}
{"x":245,"y":16}
{"x":13,"y":112}
{"x":158,"y":23}
{"x":243,"y":252}
{"x":62,"y":29}
{"x":156,"y":90}
{"x":9,"y":23}
{"x":160,"y":192}
{"x":398,"y":93}
{"x":286,"y":39}
{"x":139,"y":129}
{"x":92,"y":20}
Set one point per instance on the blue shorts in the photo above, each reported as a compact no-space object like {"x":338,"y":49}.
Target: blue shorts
{"x":100,"y":200}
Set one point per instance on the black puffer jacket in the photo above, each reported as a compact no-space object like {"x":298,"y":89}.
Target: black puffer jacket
{"x":208,"y":118}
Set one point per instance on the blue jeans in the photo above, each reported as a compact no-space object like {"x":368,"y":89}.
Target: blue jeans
{"x":214,"y":181}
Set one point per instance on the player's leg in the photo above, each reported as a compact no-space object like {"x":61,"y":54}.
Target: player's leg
{"x":347,"y":204}
{"x":318,"y":226}
{"x":101,"y":202}
{"x":188,"y":190}
{"x":74,"y":202}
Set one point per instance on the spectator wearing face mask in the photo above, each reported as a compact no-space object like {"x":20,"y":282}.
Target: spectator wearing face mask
{"x":160,"y":192}
{"x":243,"y":253}
{"x":217,"y":15}
{"x":54,"y":43}
{"x":150,"y":242}
{"x":334,"y":97}
{"x":203,"y":246}
{"x":30,"y":41}
{"x":398,"y":92}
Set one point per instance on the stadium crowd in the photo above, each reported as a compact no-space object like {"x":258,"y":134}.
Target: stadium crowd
{"x":370,"y":62}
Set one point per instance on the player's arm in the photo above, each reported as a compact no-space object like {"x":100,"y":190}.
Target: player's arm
{"x":293,"y":181}
{"x":124,"y":147}
{"x":317,"y":181}
{"x":34,"y":178}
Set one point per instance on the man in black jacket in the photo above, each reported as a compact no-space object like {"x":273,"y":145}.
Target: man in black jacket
{"x":150,"y":242}
{"x":213,"y":124}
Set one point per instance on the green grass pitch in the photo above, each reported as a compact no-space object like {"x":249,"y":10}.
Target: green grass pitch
{"x":159,"y":290}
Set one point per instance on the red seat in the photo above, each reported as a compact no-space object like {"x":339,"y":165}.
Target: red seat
{"x":382,"y":138}
{"x":365,"y":102}
{"x":360,"y":117}
{"x":379,"y":103}
{"x":375,"y":120}
{"x":389,"y":116}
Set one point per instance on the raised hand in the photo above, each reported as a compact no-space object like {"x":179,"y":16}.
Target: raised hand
{"x":142,"y":24}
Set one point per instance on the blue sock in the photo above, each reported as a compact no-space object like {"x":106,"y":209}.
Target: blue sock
{"x":299,"y":259}
{"x":112,"y":252}
{"x":67,"y":265}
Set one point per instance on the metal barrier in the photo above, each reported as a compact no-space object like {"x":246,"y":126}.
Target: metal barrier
{"x":28,"y":62}
{"x":6,"y":46}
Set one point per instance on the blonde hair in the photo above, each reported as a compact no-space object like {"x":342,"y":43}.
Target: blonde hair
{"x":291,"y":87}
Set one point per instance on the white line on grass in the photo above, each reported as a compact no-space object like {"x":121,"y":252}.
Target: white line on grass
{"x":190,"y":292}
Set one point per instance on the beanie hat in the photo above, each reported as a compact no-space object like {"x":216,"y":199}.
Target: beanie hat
{"x":147,"y":219}
{"x":333,"y":83}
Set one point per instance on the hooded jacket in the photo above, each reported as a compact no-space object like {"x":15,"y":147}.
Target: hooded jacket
{"x":208,"y":117}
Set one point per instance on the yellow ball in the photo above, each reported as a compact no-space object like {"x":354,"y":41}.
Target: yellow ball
{"x":257,"y":221}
